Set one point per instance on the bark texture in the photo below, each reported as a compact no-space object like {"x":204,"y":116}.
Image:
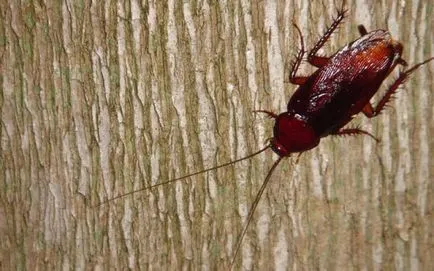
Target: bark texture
{"x":101,"y":98}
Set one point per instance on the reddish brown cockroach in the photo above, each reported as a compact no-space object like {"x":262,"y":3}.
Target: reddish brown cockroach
{"x":327,"y":100}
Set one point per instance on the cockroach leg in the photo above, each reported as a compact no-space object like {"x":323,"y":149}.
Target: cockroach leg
{"x":297,"y":80}
{"x":368,"y":110}
{"x":293,"y":78}
{"x":354,"y":131}
{"x":362,"y":30}
{"x":371,"y":112}
{"x":270,"y":114}
{"x":319,"y":61}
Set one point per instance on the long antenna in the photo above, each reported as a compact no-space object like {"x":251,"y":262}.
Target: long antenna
{"x":252,"y":210}
{"x":183,"y":177}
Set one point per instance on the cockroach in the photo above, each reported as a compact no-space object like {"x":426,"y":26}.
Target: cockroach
{"x":327,"y":100}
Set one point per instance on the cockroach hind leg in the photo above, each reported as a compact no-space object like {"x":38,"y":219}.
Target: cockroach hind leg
{"x":371,"y":112}
{"x":270,"y":114}
{"x":354,"y":131}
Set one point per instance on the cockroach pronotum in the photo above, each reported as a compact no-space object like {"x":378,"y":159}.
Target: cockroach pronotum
{"x":326,"y":101}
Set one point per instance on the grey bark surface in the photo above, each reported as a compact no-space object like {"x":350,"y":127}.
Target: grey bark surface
{"x":100,"y":99}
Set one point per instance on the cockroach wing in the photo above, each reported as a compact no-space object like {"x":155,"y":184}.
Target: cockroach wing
{"x":342,"y":87}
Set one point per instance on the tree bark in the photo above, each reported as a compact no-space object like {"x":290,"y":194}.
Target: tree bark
{"x":99,"y":99}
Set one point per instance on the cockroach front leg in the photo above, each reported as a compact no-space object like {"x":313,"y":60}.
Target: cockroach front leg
{"x":370,"y":111}
{"x":313,"y":58}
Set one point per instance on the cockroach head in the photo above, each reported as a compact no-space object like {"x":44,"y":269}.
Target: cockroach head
{"x":292,"y":133}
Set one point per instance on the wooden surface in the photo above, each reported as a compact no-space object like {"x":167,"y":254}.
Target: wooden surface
{"x":97,"y":100}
